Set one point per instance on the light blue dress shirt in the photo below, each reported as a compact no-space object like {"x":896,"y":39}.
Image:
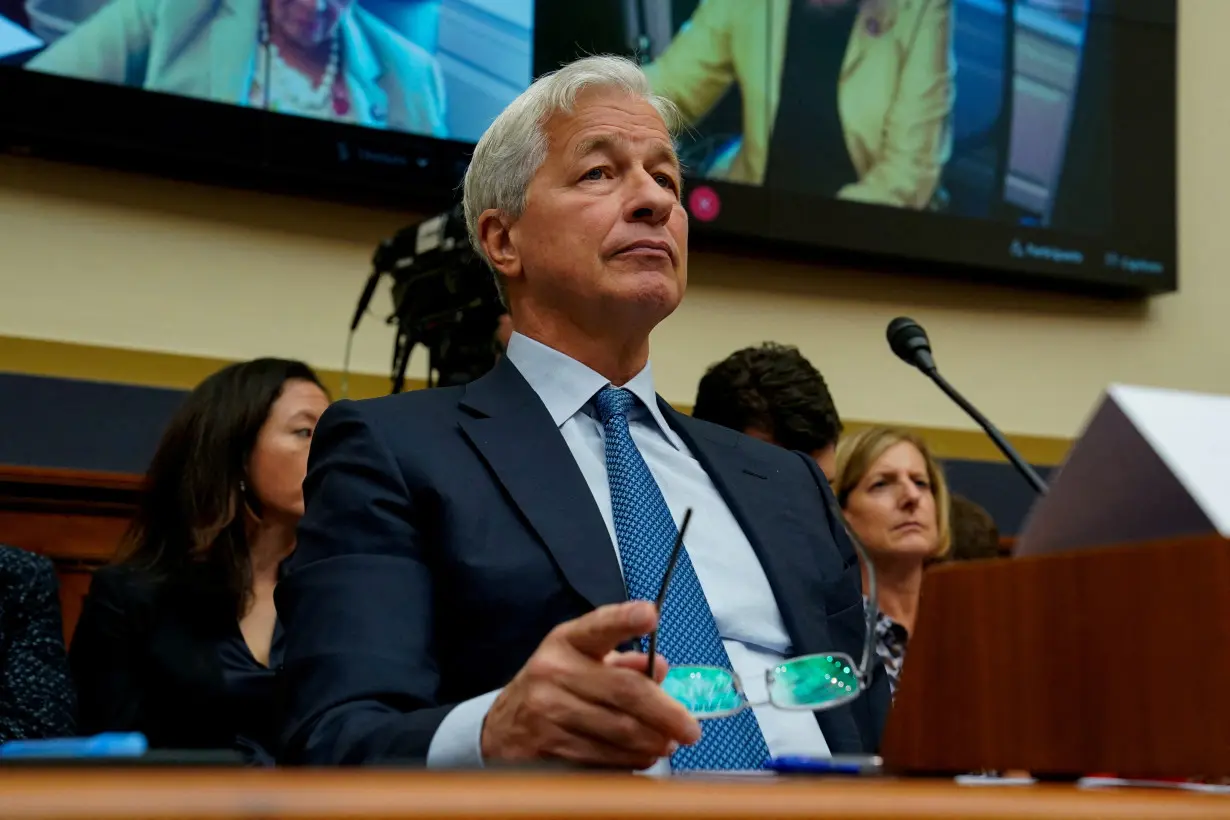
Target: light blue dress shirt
{"x":730,"y":574}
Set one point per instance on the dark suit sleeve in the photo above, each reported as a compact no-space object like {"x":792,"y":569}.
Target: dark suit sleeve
{"x":359,"y":679}
{"x":106,"y":654}
{"x":36,"y":698}
{"x":872,"y":708}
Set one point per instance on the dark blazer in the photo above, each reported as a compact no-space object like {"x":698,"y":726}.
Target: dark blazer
{"x":449,"y":530}
{"x":36,"y":697}
{"x":145,"y":659}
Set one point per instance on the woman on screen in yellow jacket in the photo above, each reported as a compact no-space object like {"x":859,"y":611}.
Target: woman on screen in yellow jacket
{"x":895,"y":87}
{"x":327,"y":59}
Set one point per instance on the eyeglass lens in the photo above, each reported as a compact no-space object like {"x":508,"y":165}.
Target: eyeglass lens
{"x":810,"y":682}
{"x":705,"y":691}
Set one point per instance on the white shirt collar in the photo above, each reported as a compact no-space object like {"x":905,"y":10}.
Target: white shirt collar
{"x":566,"y":386}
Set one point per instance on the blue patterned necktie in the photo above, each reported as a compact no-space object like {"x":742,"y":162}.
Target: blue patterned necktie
{"x":687,"y":633}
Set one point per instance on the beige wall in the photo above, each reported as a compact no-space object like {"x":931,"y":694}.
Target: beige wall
{"x":106,"y":259}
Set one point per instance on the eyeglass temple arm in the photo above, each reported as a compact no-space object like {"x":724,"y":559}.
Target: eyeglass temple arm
{"x":873,"y":600}
{"x":666,"y":582}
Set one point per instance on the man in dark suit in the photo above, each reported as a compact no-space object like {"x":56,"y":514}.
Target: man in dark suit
{"x":472,"y":571}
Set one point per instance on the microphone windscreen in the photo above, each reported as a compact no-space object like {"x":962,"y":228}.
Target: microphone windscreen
{"x":906,"y":337}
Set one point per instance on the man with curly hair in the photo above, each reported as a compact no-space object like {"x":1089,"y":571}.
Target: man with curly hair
{"x":773,"y":393}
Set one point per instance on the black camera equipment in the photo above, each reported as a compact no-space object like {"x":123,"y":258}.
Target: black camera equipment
{"x":444,"y":298}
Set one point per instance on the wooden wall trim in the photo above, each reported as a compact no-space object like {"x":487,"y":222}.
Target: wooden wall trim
{"x":14,"y":474}
{"x":68,"y":492}
{"x":71,"y":516}
{"x":76,"y":518}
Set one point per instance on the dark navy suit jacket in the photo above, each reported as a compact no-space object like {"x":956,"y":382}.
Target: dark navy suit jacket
{"x":448,"y":531}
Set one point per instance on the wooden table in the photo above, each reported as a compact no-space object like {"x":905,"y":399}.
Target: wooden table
{"x":77,"y":794}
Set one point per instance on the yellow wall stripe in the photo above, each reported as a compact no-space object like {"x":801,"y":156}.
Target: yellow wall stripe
{"x":69,"y":360}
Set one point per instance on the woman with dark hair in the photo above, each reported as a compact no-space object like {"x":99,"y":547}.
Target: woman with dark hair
{"x":179,"y":639}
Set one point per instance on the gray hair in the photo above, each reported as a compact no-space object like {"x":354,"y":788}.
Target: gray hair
{"x":514,"y":147}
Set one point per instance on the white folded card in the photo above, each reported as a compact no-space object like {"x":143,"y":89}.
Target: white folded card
{"x":1151,"y":463}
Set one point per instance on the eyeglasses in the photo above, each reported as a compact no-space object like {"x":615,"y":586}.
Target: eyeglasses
{"x":807,"y":683}
{"x":810,"y":683}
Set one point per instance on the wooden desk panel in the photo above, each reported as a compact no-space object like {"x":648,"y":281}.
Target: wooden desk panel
{"x":399,"y":795}
{"x":1098,"y":660}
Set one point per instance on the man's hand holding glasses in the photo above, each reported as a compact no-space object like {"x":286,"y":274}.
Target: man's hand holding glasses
{"x":579,"y":699}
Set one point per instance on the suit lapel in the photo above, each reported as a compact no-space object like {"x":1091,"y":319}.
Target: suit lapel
{"x":233,"y":34}
{"x":510,"y":427}
{"x":360,"y":59}
{"x":750,"y":491}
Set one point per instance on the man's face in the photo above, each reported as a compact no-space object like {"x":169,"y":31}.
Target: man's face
{"x":603,"y":233}
{"x":308,"y":23}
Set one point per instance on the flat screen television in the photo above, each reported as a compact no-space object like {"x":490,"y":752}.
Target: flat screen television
{"x":992,"y":138}
{"x":1023,"y":140}
{"x":379,"y":98}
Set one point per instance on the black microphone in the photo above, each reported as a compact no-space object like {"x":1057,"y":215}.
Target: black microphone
{"x":909,"y":341}
{"x":369,"y":290}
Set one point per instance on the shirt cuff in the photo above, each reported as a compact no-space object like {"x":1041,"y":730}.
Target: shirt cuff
{"x":458,"y":741}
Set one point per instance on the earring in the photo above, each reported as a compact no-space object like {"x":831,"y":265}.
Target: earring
{"x":243,"y":486}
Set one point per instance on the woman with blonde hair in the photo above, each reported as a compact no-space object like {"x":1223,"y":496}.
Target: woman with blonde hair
{"x":895,"y":500}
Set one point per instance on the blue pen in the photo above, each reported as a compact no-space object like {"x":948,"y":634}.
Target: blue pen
{"x":798,"y":764}
{"x":108,"y":744}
